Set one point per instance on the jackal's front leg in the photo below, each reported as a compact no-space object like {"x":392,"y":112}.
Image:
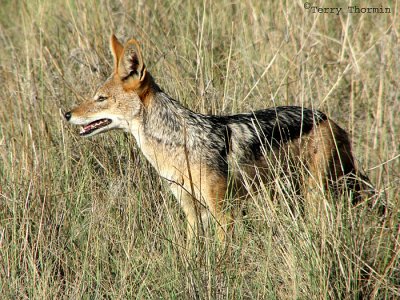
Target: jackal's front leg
{"x":198,"y":212}
{"x":215,"y":196}
{"x":192,"y":213}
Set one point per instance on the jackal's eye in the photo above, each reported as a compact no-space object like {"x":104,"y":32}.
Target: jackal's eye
{"x":101,"y":98}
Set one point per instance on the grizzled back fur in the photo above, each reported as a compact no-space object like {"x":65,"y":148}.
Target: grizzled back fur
{"x":200,"y":156}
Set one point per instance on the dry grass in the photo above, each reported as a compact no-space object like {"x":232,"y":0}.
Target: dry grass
{"x":89,"y":218}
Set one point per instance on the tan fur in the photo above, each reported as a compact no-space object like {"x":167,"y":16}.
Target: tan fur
{"x":127,"y":99}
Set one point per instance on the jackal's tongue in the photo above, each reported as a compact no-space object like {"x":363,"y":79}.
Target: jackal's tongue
{"x":94,"y":125}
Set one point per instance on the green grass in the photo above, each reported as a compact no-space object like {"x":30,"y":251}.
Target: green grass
{"x":89,"y":218}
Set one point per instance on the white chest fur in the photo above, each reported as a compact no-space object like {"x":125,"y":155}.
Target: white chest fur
{"x":164,"y":159}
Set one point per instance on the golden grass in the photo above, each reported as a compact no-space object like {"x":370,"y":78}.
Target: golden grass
{"x":89,"y":218}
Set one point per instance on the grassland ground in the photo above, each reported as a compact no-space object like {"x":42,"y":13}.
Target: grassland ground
{"x":89,"y":218}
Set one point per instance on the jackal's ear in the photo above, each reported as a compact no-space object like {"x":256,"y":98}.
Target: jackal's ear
{"x":116,"y":49}
{"x":131,"y":65}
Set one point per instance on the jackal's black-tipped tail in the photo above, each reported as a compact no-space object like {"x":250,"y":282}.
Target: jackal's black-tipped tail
{"x":364,"y":193}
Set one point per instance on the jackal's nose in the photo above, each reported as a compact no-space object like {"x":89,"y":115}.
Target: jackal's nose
{"x":67,"y":115}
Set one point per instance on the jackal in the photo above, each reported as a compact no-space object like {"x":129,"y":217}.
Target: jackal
{"x":207,"y":159}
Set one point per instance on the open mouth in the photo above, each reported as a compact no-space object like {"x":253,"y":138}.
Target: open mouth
{"x":95,"y":125}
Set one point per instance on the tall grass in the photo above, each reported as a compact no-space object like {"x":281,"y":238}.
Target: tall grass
{"x":89,"y":218}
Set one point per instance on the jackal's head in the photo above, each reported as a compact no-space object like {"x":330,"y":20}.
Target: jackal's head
{"x":120,"y":100}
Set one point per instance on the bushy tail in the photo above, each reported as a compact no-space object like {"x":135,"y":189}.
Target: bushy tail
{"x":363,"y":191}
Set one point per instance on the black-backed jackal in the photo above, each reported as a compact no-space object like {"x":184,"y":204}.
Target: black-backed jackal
{"x":205,"y":158}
